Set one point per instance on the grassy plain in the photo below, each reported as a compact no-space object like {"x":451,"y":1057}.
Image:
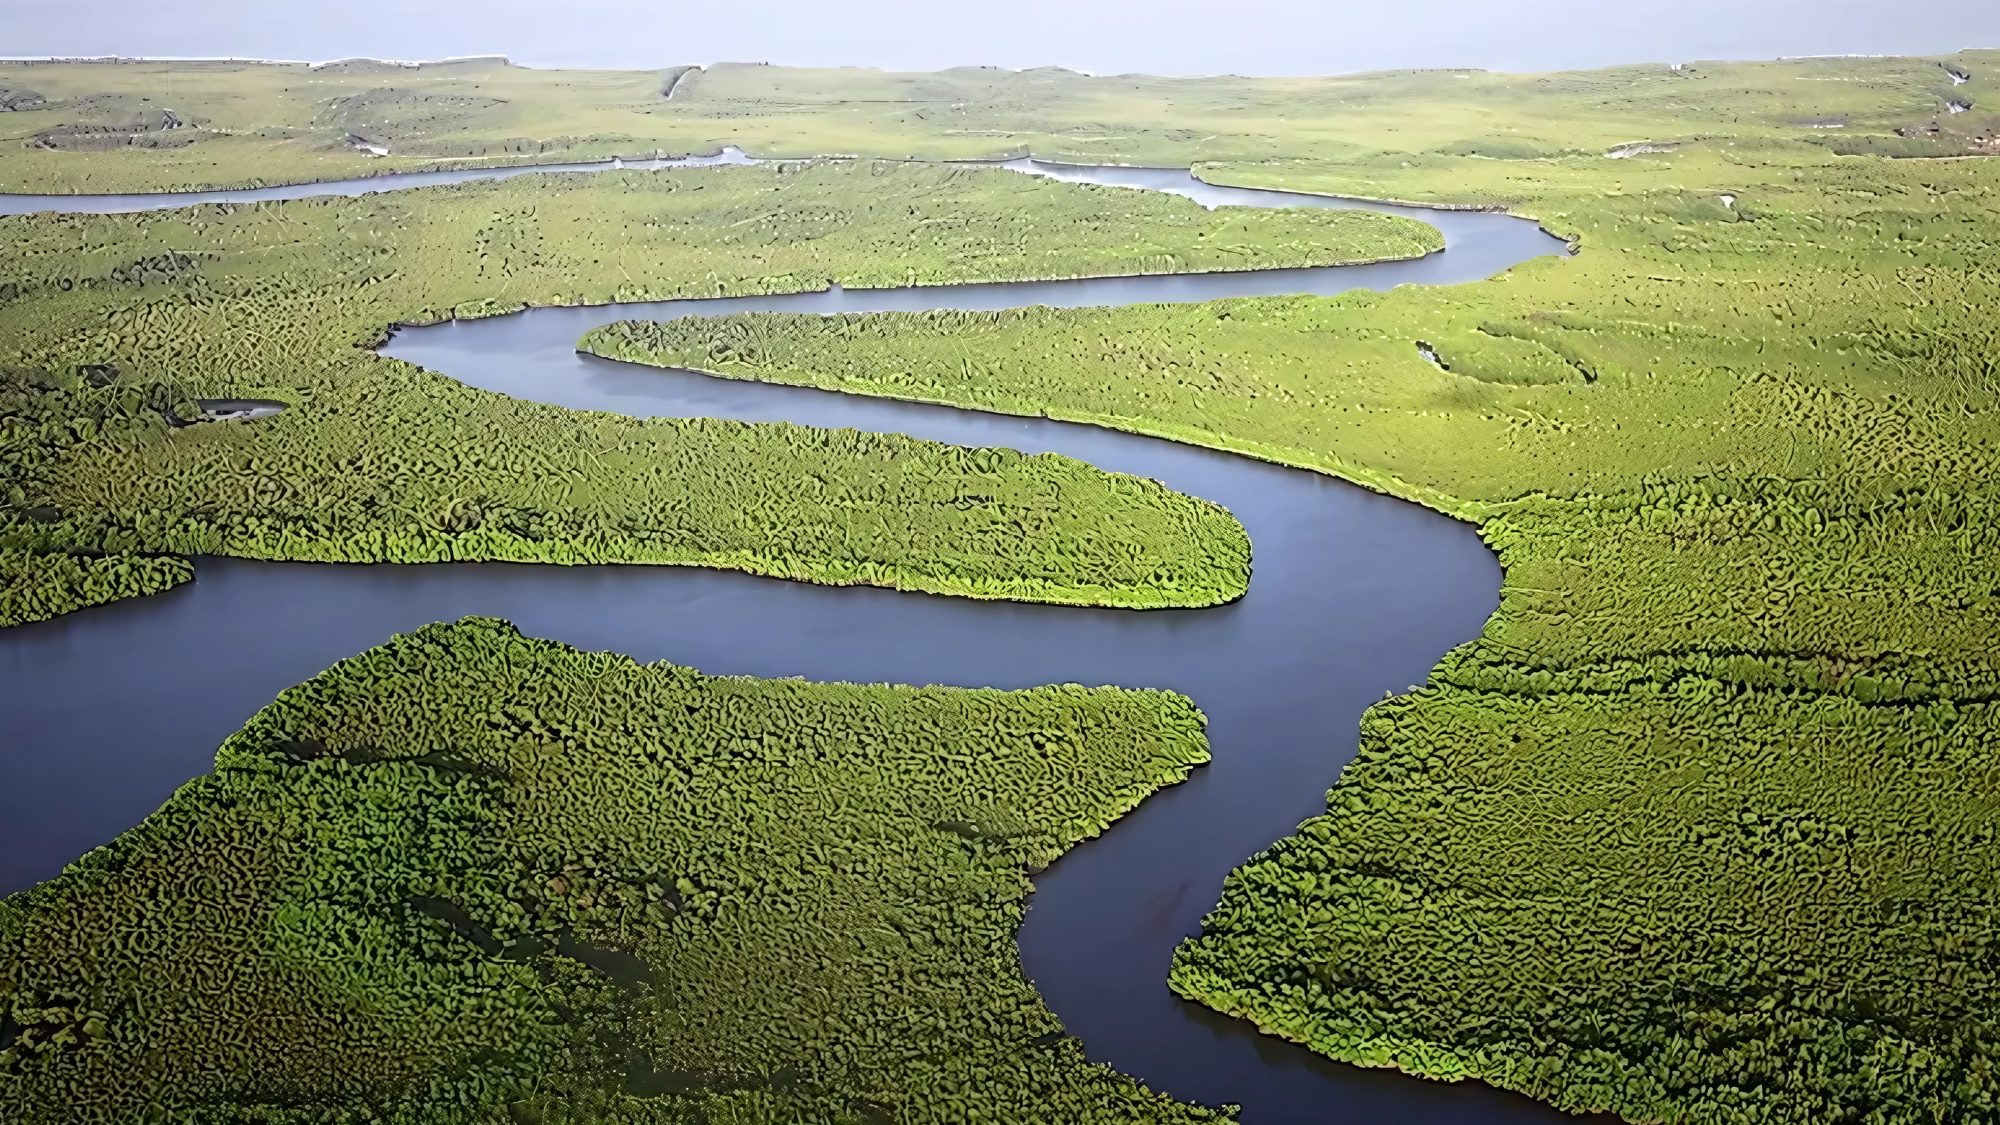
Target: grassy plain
{"x":472,"y":877}
{"x":111,"y":325}
{"x":1699,"y":829}
{"x":272,"y":123}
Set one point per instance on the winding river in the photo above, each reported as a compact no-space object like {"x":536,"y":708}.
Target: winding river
{"x":1354,"y":595}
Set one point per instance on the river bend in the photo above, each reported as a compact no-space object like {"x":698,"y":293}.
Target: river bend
{"x":1354,"y":595}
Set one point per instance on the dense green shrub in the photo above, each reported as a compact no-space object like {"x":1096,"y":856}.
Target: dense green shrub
{"x":35,"y":585}
{"x":473,"y":877}
{"x":1674,"y":893}
{"x":114,"y":325}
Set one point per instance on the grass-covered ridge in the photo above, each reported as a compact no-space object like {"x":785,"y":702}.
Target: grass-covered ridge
{"x":111,"y":325}
{"x":473,"y":877}
{"x":1698,"y":830}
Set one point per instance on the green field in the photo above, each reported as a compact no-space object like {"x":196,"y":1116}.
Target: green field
{"x":472,"y":877}
{"x":111,"y":325}
{"x":1699,"y":829}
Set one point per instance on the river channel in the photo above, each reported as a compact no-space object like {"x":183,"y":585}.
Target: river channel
{"x":1353,"y":595}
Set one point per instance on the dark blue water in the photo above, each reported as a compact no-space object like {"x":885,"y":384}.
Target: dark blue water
{"x":1353,"y":595}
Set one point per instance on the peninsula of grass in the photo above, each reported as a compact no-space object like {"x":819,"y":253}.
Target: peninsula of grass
{"x":113,"y":326}
{"x":472,"y":878}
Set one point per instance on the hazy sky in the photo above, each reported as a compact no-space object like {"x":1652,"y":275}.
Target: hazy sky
{"x":1105,"y":36}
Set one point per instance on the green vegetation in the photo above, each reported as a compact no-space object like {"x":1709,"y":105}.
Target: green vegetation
{"x":266,"y":123}
{"x":112,"y":325}
{"x":836,"y":507}
{"x":1685,"y":888}
{"x":1699,"y":829}
{"x":471,"y":877}
{"x":35,"y":586}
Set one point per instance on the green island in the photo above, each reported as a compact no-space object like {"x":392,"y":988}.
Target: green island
{"x":116,"y":326}
{"x":473,"y":877}
{"x":1699,"y":829}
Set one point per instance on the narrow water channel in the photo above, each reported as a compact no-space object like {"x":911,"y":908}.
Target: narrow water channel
{"x":1353,"y":595}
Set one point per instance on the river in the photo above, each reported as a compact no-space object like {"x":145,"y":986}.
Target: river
{"x":1354,"y":594}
